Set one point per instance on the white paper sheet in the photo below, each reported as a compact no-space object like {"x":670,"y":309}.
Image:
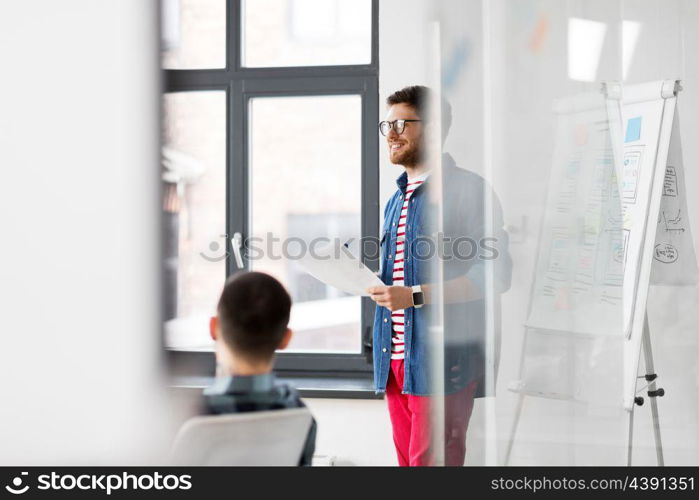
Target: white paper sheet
{"x":579,"y":275}
{"x":337,"y":267}
{"x":674,"y":257}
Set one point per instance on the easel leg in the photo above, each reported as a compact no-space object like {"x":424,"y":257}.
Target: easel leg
{"x":650,"y":369}
{"x":630,"y":441}
{"x":653,"y":393}
{"x":520,"y":401}
{"x":515,"y":423}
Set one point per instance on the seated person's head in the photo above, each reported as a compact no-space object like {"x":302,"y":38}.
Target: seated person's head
{"x":251,"y":323}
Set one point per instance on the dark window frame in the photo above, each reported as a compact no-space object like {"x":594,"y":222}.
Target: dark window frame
{"x":241,"y":84}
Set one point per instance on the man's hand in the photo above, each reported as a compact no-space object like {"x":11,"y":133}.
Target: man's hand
{"x":394,"y":298}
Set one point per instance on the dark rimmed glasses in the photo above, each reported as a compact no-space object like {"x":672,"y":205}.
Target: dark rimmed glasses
{"x":397,"y":125}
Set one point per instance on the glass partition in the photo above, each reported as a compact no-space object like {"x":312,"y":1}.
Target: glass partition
{"x":559,"y":144}
{"x":562,"y":211}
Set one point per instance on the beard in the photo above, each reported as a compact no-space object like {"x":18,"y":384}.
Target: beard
{"x":410,"y":157}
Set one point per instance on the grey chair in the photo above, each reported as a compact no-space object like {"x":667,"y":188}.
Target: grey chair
{"x":274,"y":437}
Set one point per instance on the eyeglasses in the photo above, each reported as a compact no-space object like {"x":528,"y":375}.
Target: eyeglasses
{"x":397,"y":125}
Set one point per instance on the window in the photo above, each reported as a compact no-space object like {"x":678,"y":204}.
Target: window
{"x":307,"y":186}
{"x":194,"y":173}
{"x":269,"y":133}
{"x":306,"y":32}
{"x":194,"y":34}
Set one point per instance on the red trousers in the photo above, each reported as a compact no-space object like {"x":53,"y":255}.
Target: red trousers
{"x":410,"y":419}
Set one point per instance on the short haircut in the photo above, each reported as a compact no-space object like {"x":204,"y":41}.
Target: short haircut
{"x":253,"y":314}
{"x":418,"y":97}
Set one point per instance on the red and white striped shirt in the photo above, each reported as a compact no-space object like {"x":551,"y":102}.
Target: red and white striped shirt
{"x":398,"y":317}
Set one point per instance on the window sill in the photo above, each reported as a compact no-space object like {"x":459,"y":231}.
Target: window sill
{"x":344,"y":387}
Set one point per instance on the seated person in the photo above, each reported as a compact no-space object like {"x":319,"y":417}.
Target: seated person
{"x":251,"y":323}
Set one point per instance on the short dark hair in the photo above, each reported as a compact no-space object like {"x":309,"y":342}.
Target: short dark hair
{"x":418,"y":97}
{"x":253,"y":314}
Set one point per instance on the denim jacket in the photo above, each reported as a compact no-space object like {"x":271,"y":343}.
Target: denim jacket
{"x":465,"y":323}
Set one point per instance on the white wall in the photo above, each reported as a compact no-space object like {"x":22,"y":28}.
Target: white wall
{"x":354,"y":432}
{"x":79,"y":204}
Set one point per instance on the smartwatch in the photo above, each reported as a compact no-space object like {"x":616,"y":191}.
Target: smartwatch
{"x":418,"y":297}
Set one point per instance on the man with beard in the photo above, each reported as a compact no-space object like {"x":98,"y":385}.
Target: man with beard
{"x":401,"y":323}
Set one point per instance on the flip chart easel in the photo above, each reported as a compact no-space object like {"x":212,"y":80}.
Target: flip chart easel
{"x":592,"y":281}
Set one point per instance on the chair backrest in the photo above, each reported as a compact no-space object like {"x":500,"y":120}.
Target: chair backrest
{"x":274,"y":437}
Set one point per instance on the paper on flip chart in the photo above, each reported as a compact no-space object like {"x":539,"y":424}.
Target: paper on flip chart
{"x":674,"y":257}
{"x":337,"y":267}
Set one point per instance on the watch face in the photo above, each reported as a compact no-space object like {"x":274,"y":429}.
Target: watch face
{"x":418,"y":298}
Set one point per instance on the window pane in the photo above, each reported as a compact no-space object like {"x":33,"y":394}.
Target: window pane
{"x":194,"y":186}
{"x":305,"y":176}
{"x":306,"y":32}
{"x":194,"y":34}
